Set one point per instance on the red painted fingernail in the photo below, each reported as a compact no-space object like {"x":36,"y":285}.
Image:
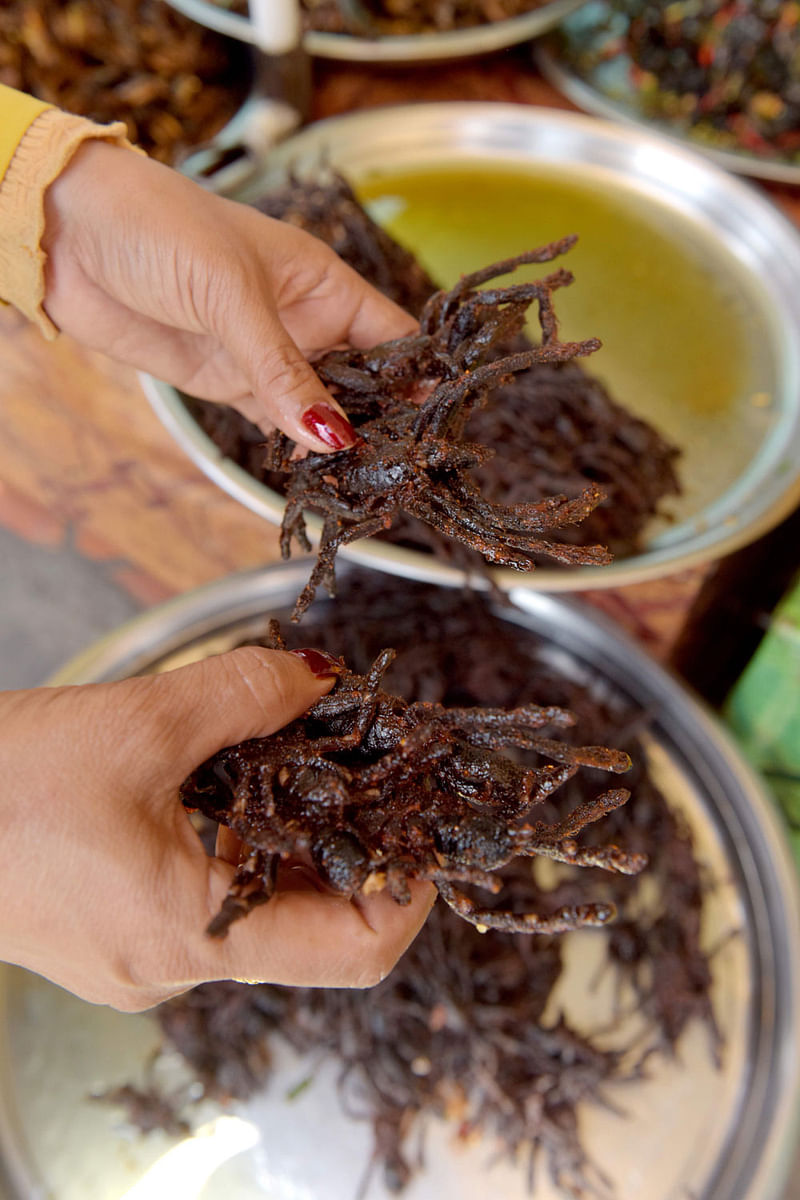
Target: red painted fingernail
{"x":319,"y":663}
{"x":330,"y":426}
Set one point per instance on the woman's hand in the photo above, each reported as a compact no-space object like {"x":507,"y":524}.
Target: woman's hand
{"x":105,"y":887}
{"x":205,"y":293}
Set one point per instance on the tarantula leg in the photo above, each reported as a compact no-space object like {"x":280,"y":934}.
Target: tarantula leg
{"x":274,"y":639}
{"x":412,"y":755}
{"x":608,"y":858}
{"x":322,"y":572}
{"x":253,"y":884}
{"x":547,"y":316}
{"x":498,"y":315}
{"x":488,"y":298}
{"x":276,"y":450}
{"x":602,"y":757}
{"x":334,"y":535}
{"x":582,"y":815}
{"x":553,"y":512}
{"x":474,"y":875}
{"x":374,"y":678}
{"x":397,"y":883}
{"x":509,"y":531}
{"x":293,"y":525}
{"x":477,"y":329}
{"x":442,"y":304}
{"x":482,"y":726}
{"x":365,"y":701}
{"x":550,"y":777}
{"x":448,"y":398}
{"x":335,"y":371}
{"x":502,"y":550}
{"x":490,"y":548}
{"x":577,"y":916}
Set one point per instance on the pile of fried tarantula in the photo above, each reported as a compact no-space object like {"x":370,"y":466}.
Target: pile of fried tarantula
{"x":409,"y":401}
{"x":378,"y":791}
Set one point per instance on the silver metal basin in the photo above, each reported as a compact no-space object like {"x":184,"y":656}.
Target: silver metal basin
{"x":741,"y":464}
{"x":688,"y":1128}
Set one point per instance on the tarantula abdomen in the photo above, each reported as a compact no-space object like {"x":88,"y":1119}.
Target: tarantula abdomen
{"x":483,"y":841}
{"x":341,"y":860}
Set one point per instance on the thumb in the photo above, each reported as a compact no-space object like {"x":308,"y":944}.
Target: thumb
{"x":246,"y":693}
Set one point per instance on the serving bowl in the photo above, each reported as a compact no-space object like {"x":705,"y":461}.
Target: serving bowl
{"x":687,"y":274}
{"x":687,"y":1127}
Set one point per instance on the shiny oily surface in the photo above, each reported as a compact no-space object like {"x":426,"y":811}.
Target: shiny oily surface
{"x":688,"y":274}
{"x":723,"y":1134}
{"x":683,"y":345}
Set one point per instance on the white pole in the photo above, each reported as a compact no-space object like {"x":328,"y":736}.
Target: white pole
{"x":276,"y":24}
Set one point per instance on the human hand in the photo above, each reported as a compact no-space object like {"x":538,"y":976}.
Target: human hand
{"x":105,"y":887}
{"x":205,"y":293}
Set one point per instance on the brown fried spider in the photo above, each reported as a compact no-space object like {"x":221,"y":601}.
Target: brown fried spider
{"x":409,"y":456}
{"x":376,"y":791}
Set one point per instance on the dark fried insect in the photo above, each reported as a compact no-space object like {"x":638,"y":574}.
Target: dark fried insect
{"x":554,"y":428}
{"x":378,"y":791}
{"x":409,"y":456}
{"x":460,"y":1027}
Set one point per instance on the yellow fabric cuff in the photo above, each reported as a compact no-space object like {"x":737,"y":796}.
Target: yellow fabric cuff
{"x":17,"y":114}
{"x":42,"y":154}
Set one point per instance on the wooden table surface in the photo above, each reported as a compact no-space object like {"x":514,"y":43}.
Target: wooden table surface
{"x":84,"y":460}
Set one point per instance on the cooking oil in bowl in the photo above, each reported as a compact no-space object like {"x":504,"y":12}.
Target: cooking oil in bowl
{"x":686,"y":341}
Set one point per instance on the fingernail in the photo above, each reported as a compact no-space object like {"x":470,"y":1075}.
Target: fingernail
{"x":319,"y":663}
{"x":330,"y":426}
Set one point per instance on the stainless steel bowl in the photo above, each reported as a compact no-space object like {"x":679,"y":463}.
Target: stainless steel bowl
{"x":687,"y":1129}
{"x":421,"y":48}
{"x":741,"y":467}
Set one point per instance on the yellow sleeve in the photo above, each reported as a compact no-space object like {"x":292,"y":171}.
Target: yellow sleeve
{"x":17,"y":113}
{"x":37,"y":141}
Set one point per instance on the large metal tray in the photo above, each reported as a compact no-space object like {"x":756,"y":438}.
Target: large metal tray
{"x":416,"y":48}
{"x":741,"y":466}
{"x":687,"y":1129}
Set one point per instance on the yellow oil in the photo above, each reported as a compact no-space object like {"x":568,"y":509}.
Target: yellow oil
{"x":685,"y":344}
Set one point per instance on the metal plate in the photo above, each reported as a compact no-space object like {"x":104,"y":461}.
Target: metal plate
{"x":600,"y":84}
{"x":421,"y":48}
{"x":741,"y":466}
{"x":688,"y":1129}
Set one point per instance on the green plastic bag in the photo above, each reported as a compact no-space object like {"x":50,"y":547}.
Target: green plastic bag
{"x":763,"y":709}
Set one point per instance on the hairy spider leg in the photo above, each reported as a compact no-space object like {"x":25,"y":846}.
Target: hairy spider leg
{"x":563,"y":921}
{"x":334,"y":535}
{"x":608,"y":858}
{"x":582,"y":815}
{"x":252,"y":885}
{"x":441,"y":304}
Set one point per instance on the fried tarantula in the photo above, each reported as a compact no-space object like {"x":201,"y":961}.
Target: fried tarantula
{"x":377,"y":791}
{"x":409,"y":401}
